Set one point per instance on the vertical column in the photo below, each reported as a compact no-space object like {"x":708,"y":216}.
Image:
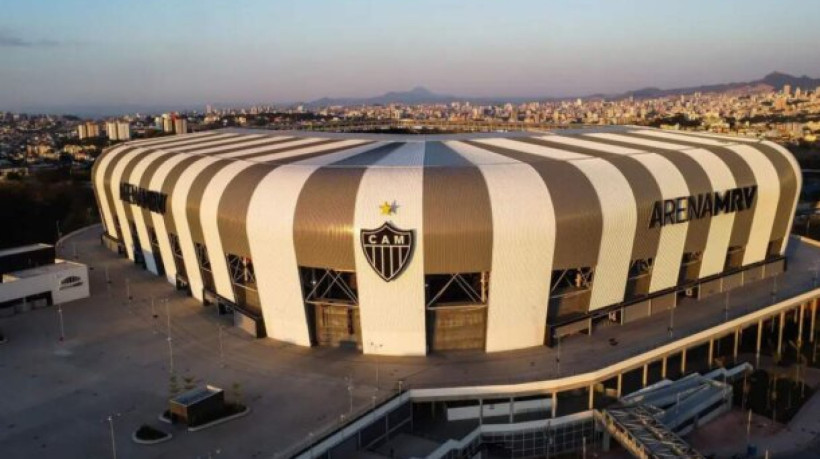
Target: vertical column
{"x":554,"y":404}
{"x":759,"y":339}
{"x":592,"y":396}
{"x":711,"y":351}
{"x":800,"y":325}
{"x":683,"y":362}
{"x":781,"y":323}
{"x":512,"y":409}
{"x":737,"y":345}
{"x":663,"y":368}
{"x":620,"y":384}
{"x":645,"y":375}
{"x":480,"y":411}
{"x":813,"y":318}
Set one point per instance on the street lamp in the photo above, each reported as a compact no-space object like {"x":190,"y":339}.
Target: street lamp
{"x":350,"y":392}
{"x":671,"y":322}
{"x":373,"y":345}
{"x":221,"y":347}
{"x":111,"y":428}
{"x":62,"y":327}
{"x":170,"y":340}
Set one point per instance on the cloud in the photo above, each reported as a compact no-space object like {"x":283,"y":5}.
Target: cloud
{"x":7,"y":40}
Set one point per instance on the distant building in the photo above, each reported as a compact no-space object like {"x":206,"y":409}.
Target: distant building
{"x":167,"y":124}
{"x":787,"y":89}
{"x":181,"y":126}
{"x":111,"y":130}
{"x":88,"y":129}
{"x":123,"y":130}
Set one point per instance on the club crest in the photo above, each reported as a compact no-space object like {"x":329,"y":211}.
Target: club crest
{"x":388,"y":249}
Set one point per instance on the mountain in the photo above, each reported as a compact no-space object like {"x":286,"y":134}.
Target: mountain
{"x":774,"y":80}
{"x":419,"y":94}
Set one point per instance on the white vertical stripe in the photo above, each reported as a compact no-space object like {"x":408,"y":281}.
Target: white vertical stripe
{"x":156,"y":184}
{"x":209,"y":146}
{"x":314,"y":149}
{"x":136,"y":211}
{"x":392,"y":313}
{"x":684,"y":138}
{"x":270,"y":236}
{"x":768,"y":190}
{"x":720,"y":228}
{"x":619,"y":217}
{"x":768,"y":195}
{"x":269,"y":148}
{"x":523,"y":247}
{"x":119,"y":207}
{"x":147,"y":143}
{"x":667,"y":264}
{"x":582,"y":143}
{"x":672,"y":184}
{"x":249,"y":142}
{"x":642,"y":142}
{"x":798,"y":176}
{"x":209,"y":217}
{"x":554,"y":153}
{"x":179,"y":205}
{"x":196,"y":144}
{"x":99,"y":183}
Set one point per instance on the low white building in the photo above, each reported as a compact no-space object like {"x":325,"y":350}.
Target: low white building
{"x":56,"y":283}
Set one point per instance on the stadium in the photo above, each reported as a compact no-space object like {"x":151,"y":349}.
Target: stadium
{"x":407,"y":245}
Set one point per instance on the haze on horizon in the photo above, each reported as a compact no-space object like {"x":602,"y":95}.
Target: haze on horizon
{"x":63,"y":53}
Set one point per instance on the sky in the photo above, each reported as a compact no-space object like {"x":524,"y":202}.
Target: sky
{"x":63,"y":53}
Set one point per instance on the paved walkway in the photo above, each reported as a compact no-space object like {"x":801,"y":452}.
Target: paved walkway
{"x":726,"y":436}
{"x":116,"y":359}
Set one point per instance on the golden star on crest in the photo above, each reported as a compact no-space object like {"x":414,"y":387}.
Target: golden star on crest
{"x":388,"y":208}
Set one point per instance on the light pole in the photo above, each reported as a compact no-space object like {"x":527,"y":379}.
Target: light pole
{"x":170,"y":340}
{"x":350,"y":393}
{"x":113,"y":441}
{"x":62,"y":327}
{"x":221,"y":348}
{"x":672,"y":323}
{"x":373,"y":345}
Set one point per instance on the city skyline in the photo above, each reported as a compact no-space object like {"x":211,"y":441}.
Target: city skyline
{"x":166,"y":53}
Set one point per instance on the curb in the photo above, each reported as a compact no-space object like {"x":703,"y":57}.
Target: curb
{"x":151,"y":442}
{"x":60,"y":241}
{"x":221,"y":421}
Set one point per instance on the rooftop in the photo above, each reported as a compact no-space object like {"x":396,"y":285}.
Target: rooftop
{"x":23,"y":249}
{"x":339,"y":150}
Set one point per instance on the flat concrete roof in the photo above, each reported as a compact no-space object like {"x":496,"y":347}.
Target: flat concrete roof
{"x":55,"y":268}
{"x":23,"y":249}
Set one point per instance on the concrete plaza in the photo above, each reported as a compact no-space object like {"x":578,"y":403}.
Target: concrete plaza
{"x":115,"y":361}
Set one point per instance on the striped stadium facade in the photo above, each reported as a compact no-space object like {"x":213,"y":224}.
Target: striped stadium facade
{"x":404,"y":245}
